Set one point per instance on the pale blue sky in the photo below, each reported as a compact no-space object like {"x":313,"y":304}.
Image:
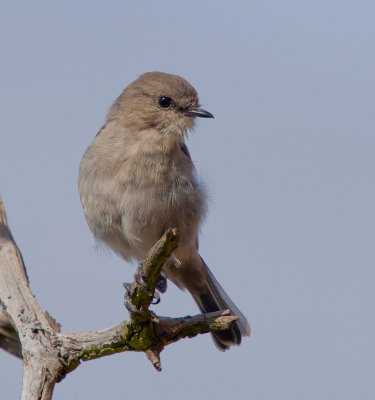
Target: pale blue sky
{"x":288,"y":160}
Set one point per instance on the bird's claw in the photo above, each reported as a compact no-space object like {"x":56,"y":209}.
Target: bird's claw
{"x":156,"y":298}
{"x":130,"y":306}
{"x":127,"y":299}
{"x":161,"y":284}
{"x":139,"y":278}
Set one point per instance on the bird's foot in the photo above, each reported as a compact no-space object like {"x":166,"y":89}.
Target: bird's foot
{"x":138,"y":276}
{"x":161,"y":286}
{"x":127,"y":299}
{"x":156,"y":298}
{"x":162,"y":283}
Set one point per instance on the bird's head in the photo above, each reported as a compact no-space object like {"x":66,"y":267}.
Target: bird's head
{"x":157,"y":100}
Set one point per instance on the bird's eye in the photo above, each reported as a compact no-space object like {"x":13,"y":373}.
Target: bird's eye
{"x":164,"y":101}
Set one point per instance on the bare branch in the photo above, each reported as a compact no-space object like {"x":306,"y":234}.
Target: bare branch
{"x":49,"y":355}
{"x":171,"y":330}
{"x":41,"y":365}
{"x":154,"y":356}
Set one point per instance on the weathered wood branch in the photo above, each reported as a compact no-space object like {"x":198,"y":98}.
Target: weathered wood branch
{"x":41,"y":364}
{"x":49,"y":355}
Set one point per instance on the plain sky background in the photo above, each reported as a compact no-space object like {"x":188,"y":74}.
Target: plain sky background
{"x":288,"y":160}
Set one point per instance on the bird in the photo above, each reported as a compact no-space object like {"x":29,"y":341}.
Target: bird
{"x":137,"y":180}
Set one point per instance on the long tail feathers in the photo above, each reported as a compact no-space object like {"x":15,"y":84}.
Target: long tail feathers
{"x":216,"y":299}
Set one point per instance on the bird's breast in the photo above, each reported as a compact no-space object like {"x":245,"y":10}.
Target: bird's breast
{"x":132,"y":193}
{"x":161,"y":191}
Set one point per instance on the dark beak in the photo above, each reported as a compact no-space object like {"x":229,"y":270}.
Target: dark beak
{"x":198,"y":112}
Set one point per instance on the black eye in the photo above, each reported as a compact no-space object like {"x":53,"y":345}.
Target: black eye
{"x":164,"y":101}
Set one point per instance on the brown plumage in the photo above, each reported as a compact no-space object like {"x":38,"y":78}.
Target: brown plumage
{"x":137,"y":179}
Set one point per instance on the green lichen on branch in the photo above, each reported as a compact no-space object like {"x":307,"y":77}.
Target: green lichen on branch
{"x":145,"y":331}
{"x":170,"y":330}
{"x":124,"y":337}
{"x":141,"y":292}
{"x":149,"y":338}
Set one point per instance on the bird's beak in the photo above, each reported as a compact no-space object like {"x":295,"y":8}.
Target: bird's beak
{"x":198,"y":112}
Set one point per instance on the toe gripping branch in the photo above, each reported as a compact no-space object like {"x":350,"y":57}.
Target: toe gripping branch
{"x":150,"y":332}
{"x":141,"y":293}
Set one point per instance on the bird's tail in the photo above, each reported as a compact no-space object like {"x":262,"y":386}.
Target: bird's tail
{"x":215,"y":299}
